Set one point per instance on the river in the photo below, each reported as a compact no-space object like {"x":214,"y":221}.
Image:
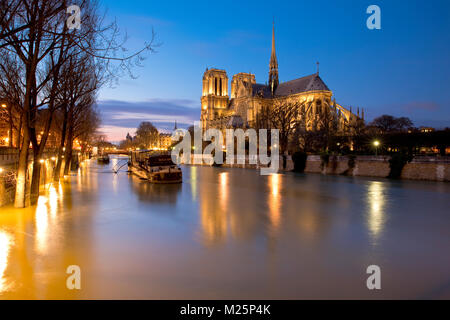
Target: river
{"x":228,"y":233}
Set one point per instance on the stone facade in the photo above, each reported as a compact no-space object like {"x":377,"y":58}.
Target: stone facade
{"x":165,"y":140}
{"x":220,"y":107}
{"x":420,"y":168}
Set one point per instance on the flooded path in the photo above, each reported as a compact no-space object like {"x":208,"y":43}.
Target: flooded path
{"x":228,"y":233}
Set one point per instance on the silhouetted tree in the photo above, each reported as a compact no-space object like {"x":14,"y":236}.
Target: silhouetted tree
{"x":387,"y":123}
{"x":147,"y":134}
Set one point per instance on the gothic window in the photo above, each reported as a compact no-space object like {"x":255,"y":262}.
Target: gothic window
{"x":215,"y":86}
{"x":220,"y":87}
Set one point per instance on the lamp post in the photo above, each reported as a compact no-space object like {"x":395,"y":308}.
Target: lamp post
{"x":376,"y":143}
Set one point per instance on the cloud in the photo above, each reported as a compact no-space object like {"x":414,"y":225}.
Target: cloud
{"x":421,"y":105}
{"x":120,"y":117}
{"x":115,"y":133}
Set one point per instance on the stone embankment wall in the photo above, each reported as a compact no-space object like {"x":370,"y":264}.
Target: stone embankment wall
{"x":8,"y":169}
{"x":8,"y":179}
{"x":427,"y":169}
{"x":420,"y":168}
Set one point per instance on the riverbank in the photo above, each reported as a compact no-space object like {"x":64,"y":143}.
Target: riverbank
{"x":420,"y":168}
{"x":9,"y":158}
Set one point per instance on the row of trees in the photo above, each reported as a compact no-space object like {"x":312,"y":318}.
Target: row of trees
{"x":147,"y":135}
{"x":50,"y":74}
{"x":324,"y":130}
{"x":301,"y":127}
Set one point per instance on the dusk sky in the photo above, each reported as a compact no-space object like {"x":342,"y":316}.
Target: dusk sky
{"x":402,"y":69}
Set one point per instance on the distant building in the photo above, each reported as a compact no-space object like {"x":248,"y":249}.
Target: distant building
{"x":165,"y":140}
{"x":426,"y":129}
{"x":4,"y":125}
{"x":221,"y":108}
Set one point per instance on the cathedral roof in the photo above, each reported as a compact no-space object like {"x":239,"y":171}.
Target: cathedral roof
{"x":261,"y":90}
{"x":309,"y":83}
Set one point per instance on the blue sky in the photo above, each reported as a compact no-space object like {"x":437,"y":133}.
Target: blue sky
{"x":402,"y":69}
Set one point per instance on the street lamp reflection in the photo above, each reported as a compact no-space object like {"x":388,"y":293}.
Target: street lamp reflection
{"x":223,"y":179}
{"x":376,"y":203}
{"x":5,"y":244}
{"x":41,"y":218}
{"x":274,"y":201}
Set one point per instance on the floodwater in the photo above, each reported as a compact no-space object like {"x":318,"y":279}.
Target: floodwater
{"x":228,"y":233}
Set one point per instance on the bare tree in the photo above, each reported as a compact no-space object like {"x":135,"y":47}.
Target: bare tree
{"x":147,"y":134}
{"x":34,"y":33}
{"x":284,"y":116}
{"x":288,"y":116}
{"x":31,"y":45}
{"x":387,"y":123}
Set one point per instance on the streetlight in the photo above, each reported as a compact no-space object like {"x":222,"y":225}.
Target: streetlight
{"x":376,"y":143}
{"x":4,"y":105}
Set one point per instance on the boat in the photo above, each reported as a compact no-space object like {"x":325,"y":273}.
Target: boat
{"x":104,"y":159}
{"x":154,"y":167}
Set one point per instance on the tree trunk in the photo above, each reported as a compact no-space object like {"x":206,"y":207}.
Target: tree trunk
{"x":57,"y":172}
{"x":19,"y":132}
{"x":38,"y":152}
{"x":21,"y":186}
{"x":35,"y":179}
{"x":11,"y":126}
{"x":68,"y":154}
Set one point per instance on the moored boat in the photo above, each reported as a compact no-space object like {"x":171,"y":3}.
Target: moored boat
{"x":155,"y":167}
{"x":103,"y":159}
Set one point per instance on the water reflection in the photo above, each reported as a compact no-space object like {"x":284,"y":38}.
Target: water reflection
{"x":115,"y":183}
{"x":223,"y":190}
{"x":376,"y":216}
{"x":235,"y":233}
{"x":274,"y":201}
{"x":154,"y":193}
{"x":193,"y":180}
{"x":233,"y":209}
{"x":213,"y":215}
{"x":53,"y":200}
{"x":5,"y":244}
{"x":41,"y":219}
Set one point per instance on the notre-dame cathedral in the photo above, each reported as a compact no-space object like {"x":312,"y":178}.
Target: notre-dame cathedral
{"x":223,"y":109}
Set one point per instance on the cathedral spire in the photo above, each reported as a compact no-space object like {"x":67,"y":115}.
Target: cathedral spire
{"x":273,"y":56}
{"x":273,"y":65}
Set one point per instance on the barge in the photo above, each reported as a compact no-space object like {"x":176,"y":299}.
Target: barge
{"x":103,"y":159}
{"x":154,"y":167}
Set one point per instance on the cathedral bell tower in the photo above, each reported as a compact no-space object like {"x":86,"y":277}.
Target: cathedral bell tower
{"x":215,"y":97}
{"x":273,"y":66}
